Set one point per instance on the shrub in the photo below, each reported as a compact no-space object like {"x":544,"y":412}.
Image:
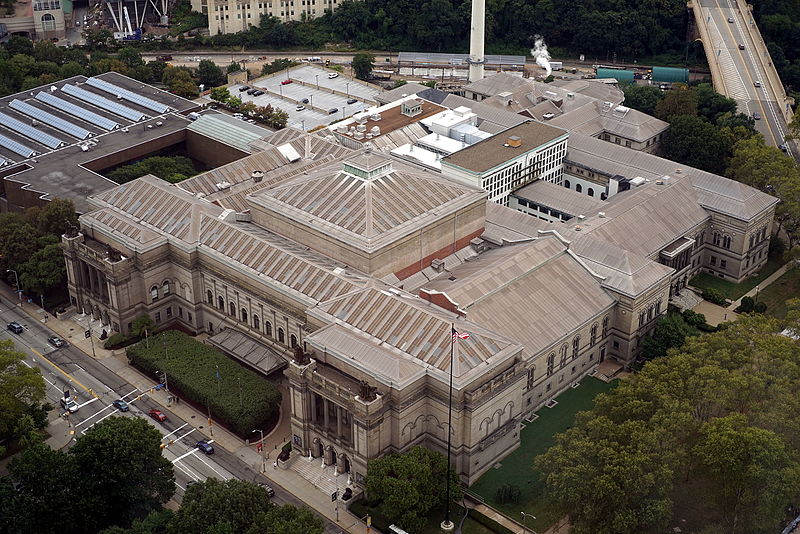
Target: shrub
{"x":693,"y":318}
{"x":488,"y":522}
{"x":234,"y":394}
{"x":760,"y":307}
{"x":117,"y":341}
{"x":713,"y":295}
{"x":746,"y":305}
{"x":508,"y":493}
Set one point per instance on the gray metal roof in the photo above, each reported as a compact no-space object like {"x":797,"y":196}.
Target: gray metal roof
{"x":559,"y":198}
{"x":456,"y":59}
{"x":248,"y":350}
{"x":234,"y":132}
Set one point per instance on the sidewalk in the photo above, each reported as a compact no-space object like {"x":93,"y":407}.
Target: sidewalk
{"x":117,"y":362}
{"x":767,"y":281}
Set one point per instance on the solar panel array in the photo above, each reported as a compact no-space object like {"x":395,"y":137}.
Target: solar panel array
{"x":49,"y":119}
{"x":128,"y":95}
{"x":15,"y":147}
{"x":76,"y":111}
{"x":103,"y":103}
{"x":29,"y":131}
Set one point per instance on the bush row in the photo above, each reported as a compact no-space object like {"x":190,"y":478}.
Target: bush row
{"x":236,"y":395}
{"x":488,"y":522}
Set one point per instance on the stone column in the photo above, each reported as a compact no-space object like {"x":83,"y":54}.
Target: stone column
{"x":313,"y":407}
{"x":325,"y":408}
{"x":338,"y":421}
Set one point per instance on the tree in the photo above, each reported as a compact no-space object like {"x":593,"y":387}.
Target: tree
{"x":363,"y":63}
{"x":235,"y":66}
{"x":44,"y":270}
{"x":49,"y":498}
{"x":679,"y":101}
{"x":642,"y":97}
{"x":143,"y":325}
{"x":54,"y":218}
{"x":752,"y":471}
{"x":409,"y":485}
{"x":21,"y":388}
{"x":277,"y":65}
{"x":710,"y":104}
{"x":220,"y":94}
{"x":212,"y":502}
{"x":123,"y":456}
{"x":209,"y":74}
{"x":130,"y":56}
{"x":286,"y":519}
{"x":670,"y":331}
{"x":156,"y":522}
{"x":693,"y":141}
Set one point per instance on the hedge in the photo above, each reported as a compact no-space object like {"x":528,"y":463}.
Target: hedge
{"x":240,"y":398}
{"x":488,"y":522}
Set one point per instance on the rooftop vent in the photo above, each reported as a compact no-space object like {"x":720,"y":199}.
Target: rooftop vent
{"x":257,"y":176}
{"x":159,"y":124}
{"x":222,"y":185}
{"x":437,"y":265}
{"x":636,"y":182}
{"x":53,"y":88}
{"x":547,"y":116}
{"x":571,"y":96}
{"x":581,"y":217}
{"x":578,"y":227}
{"x":514,"y":141}
{"x":601,"y":214}
{"x":119,"y":97}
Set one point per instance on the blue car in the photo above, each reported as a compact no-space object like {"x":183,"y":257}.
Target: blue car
{"x":205,"y":447}
{"x":121,"y":405}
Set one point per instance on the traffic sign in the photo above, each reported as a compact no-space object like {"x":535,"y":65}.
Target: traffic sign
{"x":87,"y":334}
{"x":334,"y":495}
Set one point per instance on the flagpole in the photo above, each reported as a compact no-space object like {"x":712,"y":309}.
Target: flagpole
{"x":447,"y":525}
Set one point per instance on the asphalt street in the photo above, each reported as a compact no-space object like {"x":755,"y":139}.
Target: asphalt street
{"x":741,"y":69}
{"x":95,"y":387}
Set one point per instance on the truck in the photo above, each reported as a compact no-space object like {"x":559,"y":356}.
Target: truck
{"x":556,"y":65}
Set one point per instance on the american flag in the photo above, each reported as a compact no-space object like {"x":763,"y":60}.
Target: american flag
{"x":459,"y":335}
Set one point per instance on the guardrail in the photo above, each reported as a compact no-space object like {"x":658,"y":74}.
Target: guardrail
{"x":717,"y":80}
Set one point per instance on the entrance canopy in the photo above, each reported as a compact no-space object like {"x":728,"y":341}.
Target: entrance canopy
{"x":248,"y":350}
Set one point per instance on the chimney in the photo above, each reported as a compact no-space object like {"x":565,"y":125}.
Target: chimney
{"x":476,"y":37}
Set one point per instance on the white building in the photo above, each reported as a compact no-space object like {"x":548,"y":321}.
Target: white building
{"x":231,"y":16}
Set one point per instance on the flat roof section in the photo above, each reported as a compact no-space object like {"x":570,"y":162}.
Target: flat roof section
{"x":489,"y":153}
{"x":559,"y":198}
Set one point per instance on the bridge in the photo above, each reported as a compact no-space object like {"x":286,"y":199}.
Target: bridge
{"x":741,"y":67}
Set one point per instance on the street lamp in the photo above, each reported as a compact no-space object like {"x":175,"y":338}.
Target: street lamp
{"x":263,"y":458}
{"x":312,"y":100}
{"x":19,"y":289}
{"x":303,"y":123}
{"x":524,"y":517}
{"x":757,"y":294}
{"x":317,"y":77}
{"x":347,"y":86}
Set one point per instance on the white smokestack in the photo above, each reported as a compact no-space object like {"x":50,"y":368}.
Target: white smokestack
{"x":541,"y":55}
{"x":476,"y":58}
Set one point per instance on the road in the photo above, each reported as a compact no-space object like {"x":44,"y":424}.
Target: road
{"x":740,"y":69}
{"x":95,"y":387}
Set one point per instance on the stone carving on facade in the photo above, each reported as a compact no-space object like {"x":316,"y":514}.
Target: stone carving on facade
{"x":366,"y":392}
{"x":301,"y":357}
{"x":71,"y":231}
{"x":113,"y":254}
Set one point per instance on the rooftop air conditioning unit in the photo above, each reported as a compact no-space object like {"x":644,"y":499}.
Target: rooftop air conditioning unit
{"x":601,"y":214}
{"x":159,"y":124}
{"x":257,"y":176}
{"x":119,"y":97}
{"x":514,"y":141}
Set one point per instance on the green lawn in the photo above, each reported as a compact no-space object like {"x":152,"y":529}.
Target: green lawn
{"x":734,"y":291}
{"x":517,"y":468}
{"x":778,"y":292}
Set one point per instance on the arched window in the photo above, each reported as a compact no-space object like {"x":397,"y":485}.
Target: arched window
{"x":593,"y":337}
{"x":165,"y":288}
{"x":244,"y":315}
{"x":590,"y":191}
{"x":268,"y":328}
{"x":650,"y":313}
{"x":210,"y":297}
{"x":293,"y":341}
{"x":726,"y":242}
{"x":603,"y":196}
{"x":578,"y":188}
{"x":531,"y":376}
{"x":281,"y":335}
{"x":566,"y":184}
{"x":221,"y":303}
{"x":48,"y":22}
{"x":717,"y":239}
{"x":576,"y":345}
{"x":551,"y":360}
{"x":563,"y":355}
{"x":232,"y":308}
{"x":154,"y":293}
{"x":256,"y":322}
{"x":605,"y":326}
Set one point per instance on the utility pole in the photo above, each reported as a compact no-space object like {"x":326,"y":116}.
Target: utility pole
{"x":263,"y":458}
{"x":19,"y":289}
{"x":91,"y":340}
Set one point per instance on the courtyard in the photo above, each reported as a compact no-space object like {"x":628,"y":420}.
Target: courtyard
{"x":516,"y":470}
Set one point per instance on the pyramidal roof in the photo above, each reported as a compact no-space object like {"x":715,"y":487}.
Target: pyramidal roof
{"x":368,"y":200}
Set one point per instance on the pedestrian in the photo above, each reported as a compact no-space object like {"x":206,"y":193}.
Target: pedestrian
{"x":274,"y":465}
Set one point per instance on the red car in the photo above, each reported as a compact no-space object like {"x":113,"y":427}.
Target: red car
{"x":157,"y":415}
{"x":286,"y":82}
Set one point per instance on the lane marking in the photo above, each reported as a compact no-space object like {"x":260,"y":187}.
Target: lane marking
{"x":168,"y":435}
{"x":63,"y":372}
{"x":212,"y":468}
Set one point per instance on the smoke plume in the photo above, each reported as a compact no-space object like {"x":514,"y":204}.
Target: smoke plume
{"x":540,"y":54}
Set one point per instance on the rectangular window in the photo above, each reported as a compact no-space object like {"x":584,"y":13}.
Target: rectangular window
{"x":158,"y":317}
{"x":180,"y":311}
{"x":723,"y":264}
{"x":169,"y":311}
{"x":189,"y":316}
{"x":713,"y":260}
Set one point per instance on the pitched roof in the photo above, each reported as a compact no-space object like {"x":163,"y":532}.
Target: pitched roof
{"x":369,"y":201}
{"x":226,"y":129}
{"x":560,"y":198}
{"x":496,"y":84}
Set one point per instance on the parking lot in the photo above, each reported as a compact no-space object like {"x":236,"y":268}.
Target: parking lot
{"x":308,"y":118}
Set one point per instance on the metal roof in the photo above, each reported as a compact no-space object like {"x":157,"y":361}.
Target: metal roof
{"x":456,"y":59}
{"x":231,"y":131}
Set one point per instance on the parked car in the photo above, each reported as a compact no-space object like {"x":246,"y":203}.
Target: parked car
{"x":741,"y":46}
{"x":121,"y":405}
{"x":782,"y":147}
{"x":15,"y":327}
{"x":352,"y":100}
{"x":157,"y":415}
{"x":251,"y":91}
{"x":56,"y":341}
{"x":69,"y":404}
{"x":205,"y":447}
{"x":268,"y":488}
{"x":304,"y":101}
{"x":332,"y":111}
{"x":258,"y":93}
{"x":332,"y":75}
{"x":299,"y":108}
{"x":757,"y":115}
{"x":757,"y":83}
{"x":286,"y":81}
{"x":243,"y":88}
{"x":730,"y":19}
